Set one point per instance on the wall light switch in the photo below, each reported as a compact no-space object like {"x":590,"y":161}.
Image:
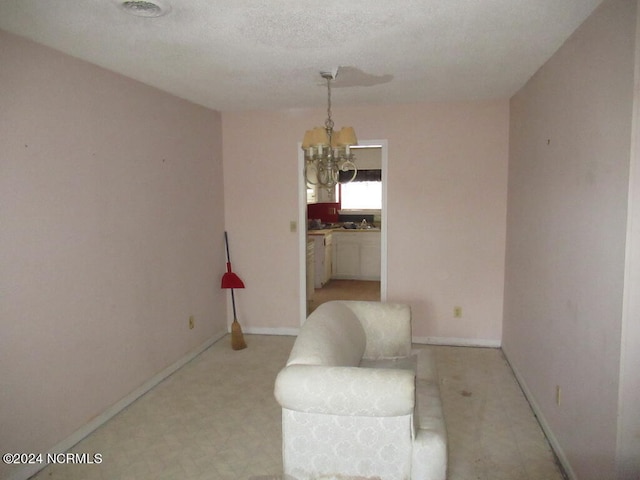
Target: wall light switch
{"x":293,"y":226}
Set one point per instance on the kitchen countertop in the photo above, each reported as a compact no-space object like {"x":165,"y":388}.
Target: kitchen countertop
{"x":326,"y":231}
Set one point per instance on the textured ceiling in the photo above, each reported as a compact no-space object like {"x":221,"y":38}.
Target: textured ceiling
{"x":261,"y":54}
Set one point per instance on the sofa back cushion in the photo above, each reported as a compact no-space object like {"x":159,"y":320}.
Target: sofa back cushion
{"x":332,"y":335}
{"x":387,"y":328}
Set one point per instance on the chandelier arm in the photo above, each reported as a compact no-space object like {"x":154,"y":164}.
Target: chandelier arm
{"x":308,"y":178}
{"x":349,"y":165}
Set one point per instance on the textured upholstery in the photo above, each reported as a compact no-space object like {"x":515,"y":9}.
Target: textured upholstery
{"x":323,"y":447}
{"x":357,"y":402}
{"x":387,"y":327}
{"x":332,"y":335}
{"x":349,"y":391}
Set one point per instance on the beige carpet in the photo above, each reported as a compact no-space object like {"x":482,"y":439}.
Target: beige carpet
{"x":216,"y":419}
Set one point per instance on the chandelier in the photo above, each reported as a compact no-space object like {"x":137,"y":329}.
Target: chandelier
{"x":327,"y":152}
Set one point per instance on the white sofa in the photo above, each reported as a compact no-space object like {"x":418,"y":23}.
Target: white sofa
{"x":357,"y":402}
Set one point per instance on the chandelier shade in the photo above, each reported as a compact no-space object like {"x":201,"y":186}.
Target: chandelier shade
{"x":327,"y":152}
{"x":346,"y":137}
{"x":316,"y":137}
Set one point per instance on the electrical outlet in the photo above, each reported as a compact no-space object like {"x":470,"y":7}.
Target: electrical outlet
{"x":457,"y":312}
{"x":192,"y":322}
{"x":558,"y":395}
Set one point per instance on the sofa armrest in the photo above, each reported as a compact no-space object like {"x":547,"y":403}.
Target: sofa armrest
{"x":349,"y":391}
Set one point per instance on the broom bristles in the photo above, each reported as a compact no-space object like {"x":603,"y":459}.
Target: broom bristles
{"x":237,"y":339}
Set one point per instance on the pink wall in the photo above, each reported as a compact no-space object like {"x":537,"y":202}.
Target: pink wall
{"x":447,"y":217}
{"x":628,"y":455}
{"x":567,"y":224}
{"x":447,"y":177}
{"x":112,"y":235}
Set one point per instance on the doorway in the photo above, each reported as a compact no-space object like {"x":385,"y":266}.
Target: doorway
{"x":344,"y":290}
{"x":340,"y":288}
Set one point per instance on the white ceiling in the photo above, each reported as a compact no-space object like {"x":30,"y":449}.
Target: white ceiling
{"x":266,"y":54}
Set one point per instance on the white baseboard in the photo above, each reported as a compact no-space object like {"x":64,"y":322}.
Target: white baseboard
{"x":562,"y":458}
{"x":271,"y":331}
{"x":458,"y":342}
{"x":65,"y":445}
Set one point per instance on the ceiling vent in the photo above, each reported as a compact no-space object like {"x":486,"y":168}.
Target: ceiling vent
{"x":141,"y":8}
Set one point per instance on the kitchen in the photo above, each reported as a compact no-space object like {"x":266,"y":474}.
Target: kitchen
{"x":344,"y":235}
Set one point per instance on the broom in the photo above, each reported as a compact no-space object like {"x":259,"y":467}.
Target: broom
{"x":237,"y":339}
{"x":231,"y":280}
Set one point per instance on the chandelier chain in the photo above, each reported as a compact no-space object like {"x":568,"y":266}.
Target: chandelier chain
{"x":329,"y":122}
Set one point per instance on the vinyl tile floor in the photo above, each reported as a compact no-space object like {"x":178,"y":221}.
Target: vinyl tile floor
{"x":345,"y":290}
{"x":216,"y":419}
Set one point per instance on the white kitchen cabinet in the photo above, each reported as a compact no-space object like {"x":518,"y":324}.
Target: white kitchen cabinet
{"x":356,"y":255}
{"x":370,"y":258}
{"x":328,"y":258}
{"x":323,"y":253}
{"x":310,"y":272}
{"x":347,"y":259}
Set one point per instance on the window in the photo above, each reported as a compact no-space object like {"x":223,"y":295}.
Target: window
{"x":361,"y":195}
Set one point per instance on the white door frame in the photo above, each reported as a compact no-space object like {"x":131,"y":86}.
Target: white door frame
{"x":302,"y":226}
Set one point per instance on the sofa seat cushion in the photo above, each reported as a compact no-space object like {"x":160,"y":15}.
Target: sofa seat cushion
{"x":402,"y":363}
{"x":331,"y":336}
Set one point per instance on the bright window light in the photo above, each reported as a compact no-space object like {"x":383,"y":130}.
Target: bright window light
{"x":361,"y":195}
